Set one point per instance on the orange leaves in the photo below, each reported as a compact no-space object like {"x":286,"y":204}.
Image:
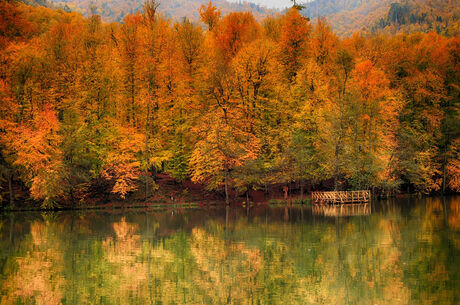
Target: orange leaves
{"x":235,"y":31}
{"x":293,"y":43}
{"x":123,"y":172}
{"x":377,"y":125}
{"x":13,"y":25}
{"x":222,"y":148}
{"x":62,"y":42}
{"x":295,"y":30}
{"x":253,"y":70}
{"x":453,"y":167}
{"x":133,"y":20}
{"x":39,"y":155}
{"x":121,"y":166}
{"x":453,"y":170}
{"x":8,"y":107}
{"x":36,"y":145}
{"x":373,"y":88}
{"x":370,"y":81}
{"x":234,"y":106}
{"x":324,"y":42}
{"x":210,"y":15}
{"x":190,"y":45}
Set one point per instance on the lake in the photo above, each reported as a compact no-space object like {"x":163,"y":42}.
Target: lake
{"x":396,"y":252}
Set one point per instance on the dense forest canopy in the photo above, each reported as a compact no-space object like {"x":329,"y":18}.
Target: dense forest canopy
{"x":88,"y":107}
{"x":345,"y":16}
{"x":117,"y":10}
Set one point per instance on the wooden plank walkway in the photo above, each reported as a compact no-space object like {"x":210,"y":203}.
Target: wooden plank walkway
{"x":341,"y":197}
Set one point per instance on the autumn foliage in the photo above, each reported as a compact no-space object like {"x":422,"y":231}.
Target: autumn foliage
{"x":241,"y":105}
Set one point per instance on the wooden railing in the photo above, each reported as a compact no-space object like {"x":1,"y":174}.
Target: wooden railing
{"x":341,"y":197}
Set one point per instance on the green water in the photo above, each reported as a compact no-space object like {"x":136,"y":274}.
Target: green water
{"x":404,"y":252}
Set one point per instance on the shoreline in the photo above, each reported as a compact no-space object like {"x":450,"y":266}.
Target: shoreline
{"x":295,"y":200}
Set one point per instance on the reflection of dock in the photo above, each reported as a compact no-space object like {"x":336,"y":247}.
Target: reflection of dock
{"x":342,"y":197}
{"x":359,"y":209}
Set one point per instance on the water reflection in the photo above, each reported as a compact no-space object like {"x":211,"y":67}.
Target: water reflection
{"x":403,"y":253}
{"x":342,"y":209}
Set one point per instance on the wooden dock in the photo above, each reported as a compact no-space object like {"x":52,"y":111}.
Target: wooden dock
{"x":341,"y":197}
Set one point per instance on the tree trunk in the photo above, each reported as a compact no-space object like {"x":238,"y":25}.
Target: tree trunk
{"x":146,"y":195}
{"x":227,"y":201}
{"x":301,"y":191}
{"x":146,"y":147}
{"x":336,"y":167}
{"x":10,"y":187}
{"x":72,"y":195}
{"x":338,"y":145}
{"x":444,"y":174}
{"x":336,"y":181}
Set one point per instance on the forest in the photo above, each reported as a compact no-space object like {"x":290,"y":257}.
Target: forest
{"x":387,"y":16}
{"x":230,"y":103}
{"x":117,"y":10}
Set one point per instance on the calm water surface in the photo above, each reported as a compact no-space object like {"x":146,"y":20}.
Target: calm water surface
{"x":403,"y":252}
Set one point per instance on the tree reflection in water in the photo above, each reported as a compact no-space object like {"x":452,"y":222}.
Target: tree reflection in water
{"x":402,"y":253}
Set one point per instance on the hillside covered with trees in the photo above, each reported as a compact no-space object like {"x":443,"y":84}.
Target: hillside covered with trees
{"x":345,"y":16}
{"x":90,"y":108}
{"x":387,"y":16}
{"x":117,"y":10}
